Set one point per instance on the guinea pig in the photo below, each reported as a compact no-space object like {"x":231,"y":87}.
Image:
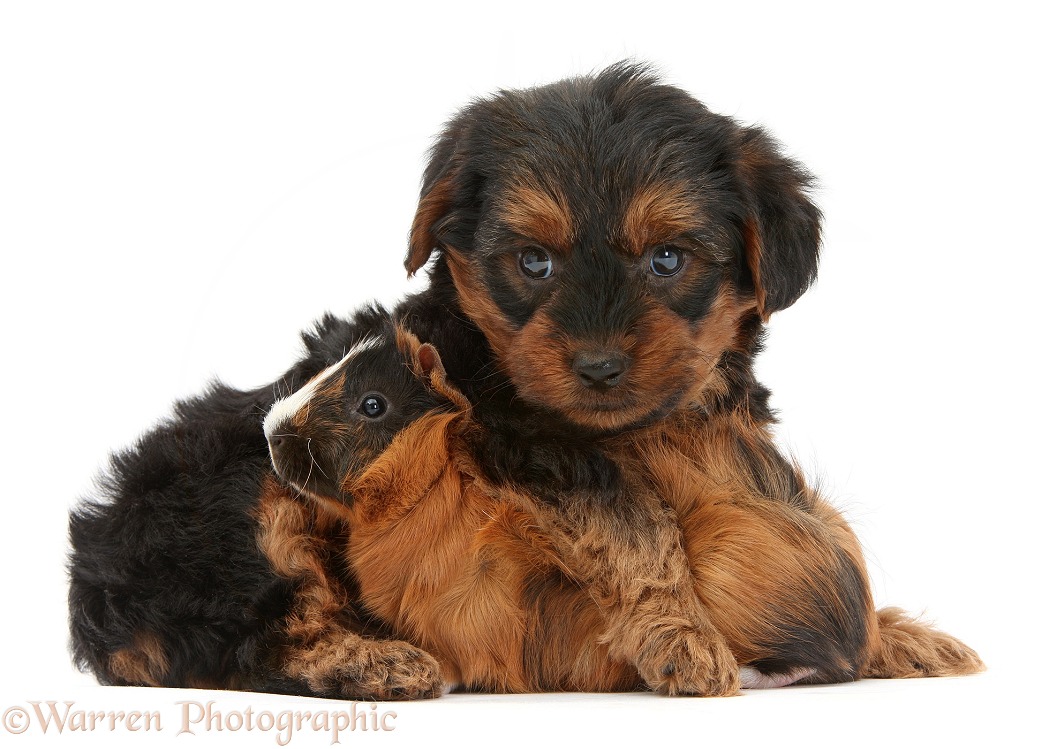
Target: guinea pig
{"x":170,"y":585}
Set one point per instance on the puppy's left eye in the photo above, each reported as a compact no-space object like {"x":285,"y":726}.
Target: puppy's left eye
{"x":666,"y":260}
{"x":372,"y":407}
{"x":536,"y":264}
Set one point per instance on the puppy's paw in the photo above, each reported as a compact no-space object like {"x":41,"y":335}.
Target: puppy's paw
{"x":396,"y":670}
{"x":362,"y":669}
{"x":909,"y":648}
{"x":689,"y":662}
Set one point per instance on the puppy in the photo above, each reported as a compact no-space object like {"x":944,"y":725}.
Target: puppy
{"x":168,"y":583}
{"x":606,"y":253}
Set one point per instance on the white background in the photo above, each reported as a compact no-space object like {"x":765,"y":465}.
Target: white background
{"x":184,"y":186}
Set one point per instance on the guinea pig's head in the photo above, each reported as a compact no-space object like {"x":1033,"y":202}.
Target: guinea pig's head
{"x":325,"y":435}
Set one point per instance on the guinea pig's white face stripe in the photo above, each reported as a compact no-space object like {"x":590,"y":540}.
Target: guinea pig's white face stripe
{"x":286,"y":408}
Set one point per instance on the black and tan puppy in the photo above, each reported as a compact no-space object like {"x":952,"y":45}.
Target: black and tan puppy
{"x":169,"y":585}
{"x":617,"y":247}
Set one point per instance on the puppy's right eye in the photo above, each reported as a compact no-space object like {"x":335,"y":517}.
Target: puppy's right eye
{"x":536,"y":264}
{"x":666,"y":260}
{"x":372,"y":407}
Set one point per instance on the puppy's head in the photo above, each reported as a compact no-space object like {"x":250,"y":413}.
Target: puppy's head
{"x":610,"y":236}
{"x":326,"y":434}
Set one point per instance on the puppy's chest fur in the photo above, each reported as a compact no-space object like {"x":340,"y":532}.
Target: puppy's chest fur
{"x":469,"y":572}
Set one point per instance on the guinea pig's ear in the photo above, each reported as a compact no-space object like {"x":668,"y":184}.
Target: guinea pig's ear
{"x":432,"y":370}
{"x":429,"y":361}
{"x":781,"y":231}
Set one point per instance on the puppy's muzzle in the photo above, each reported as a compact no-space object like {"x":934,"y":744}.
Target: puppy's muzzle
{"x":600,"y":370}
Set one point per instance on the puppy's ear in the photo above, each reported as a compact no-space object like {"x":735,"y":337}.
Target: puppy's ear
{"x":781,"y":232}
{"x":446,"y":192}
{"x":435,"y":203}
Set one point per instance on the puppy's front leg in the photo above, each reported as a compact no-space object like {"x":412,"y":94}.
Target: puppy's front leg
{"x":629,"y":553}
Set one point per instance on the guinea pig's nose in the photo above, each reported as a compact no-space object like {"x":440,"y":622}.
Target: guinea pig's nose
{"x":601,"y":369}
{"x":279,"y":436}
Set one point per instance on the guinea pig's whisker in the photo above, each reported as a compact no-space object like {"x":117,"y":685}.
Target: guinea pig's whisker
{"x":501,"y":386}
{"x":283,"y":388}
{"x":313,"y":461}
{"x":312,"y":464}
{"x":488,"y":369}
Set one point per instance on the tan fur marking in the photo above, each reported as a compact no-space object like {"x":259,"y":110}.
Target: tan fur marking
{"x":716,"y":333}
{"x":657,"y":213}
{"x":331,"y":389}
{"x":144,"y":663}
{"x":538,"y":214}
{"x":477,"y":303}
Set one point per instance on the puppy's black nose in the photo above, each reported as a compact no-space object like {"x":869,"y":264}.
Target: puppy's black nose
{"x":600,"y":370}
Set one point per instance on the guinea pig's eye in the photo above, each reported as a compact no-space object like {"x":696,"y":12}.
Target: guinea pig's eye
{"x":666,"y":260}
{"x":373,"y":406}
{"x":536,"y":263}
